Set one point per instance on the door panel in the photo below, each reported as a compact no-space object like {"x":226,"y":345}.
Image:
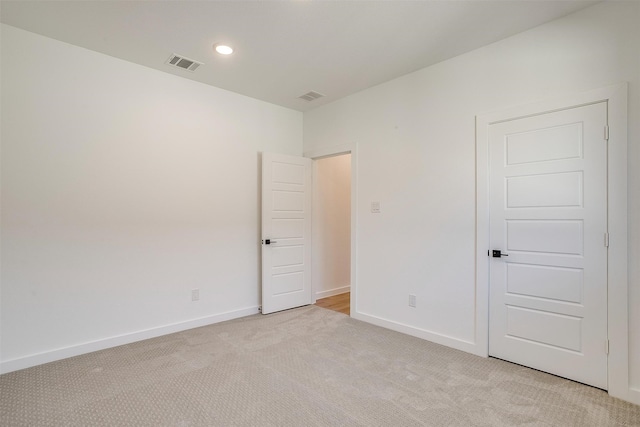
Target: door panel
{"x":563,"y":189}
{"x":542,"y":327}
{"x":547,"y":236}
{"x":552,"y":143}
{"x":554,"y":283}
{"x":286,"y":224}
{"x":548,"y":215}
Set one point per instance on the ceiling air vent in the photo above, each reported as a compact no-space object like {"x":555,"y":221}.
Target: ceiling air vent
{"x":182,"y":62}
{"x":311,"y":96}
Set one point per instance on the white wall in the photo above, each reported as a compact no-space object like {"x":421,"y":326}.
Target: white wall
{"x":123,"y":188}
{"x":332,"y":226}
{"x":416,"y":155}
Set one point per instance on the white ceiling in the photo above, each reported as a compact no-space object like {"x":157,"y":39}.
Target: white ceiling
{"x":284,"y":49}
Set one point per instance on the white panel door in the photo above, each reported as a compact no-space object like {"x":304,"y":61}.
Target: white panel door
{"x":286,"y":232}
{"x":548,"y":217}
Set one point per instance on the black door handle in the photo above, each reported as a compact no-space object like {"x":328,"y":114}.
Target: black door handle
{"x":497,"y":253}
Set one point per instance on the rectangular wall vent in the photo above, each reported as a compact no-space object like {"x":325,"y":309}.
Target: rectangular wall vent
{"x":182,"y":62}
{"x":311,"y":96}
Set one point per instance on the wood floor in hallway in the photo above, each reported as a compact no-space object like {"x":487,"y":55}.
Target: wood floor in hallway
{"x":340,"y":303}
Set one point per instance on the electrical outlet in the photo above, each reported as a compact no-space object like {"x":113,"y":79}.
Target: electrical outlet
{"x":412,"y":300}
{"x":195,"y":294}
{"x":375,"y":207}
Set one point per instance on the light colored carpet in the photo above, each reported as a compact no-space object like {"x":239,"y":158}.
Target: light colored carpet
{"x":303,"y":367}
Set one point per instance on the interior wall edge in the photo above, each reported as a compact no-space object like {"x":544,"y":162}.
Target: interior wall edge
{"x":102,"y":344}
{"x":456,"y":343}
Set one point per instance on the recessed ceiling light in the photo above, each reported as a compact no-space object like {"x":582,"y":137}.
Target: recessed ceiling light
{"x":223,"y":49}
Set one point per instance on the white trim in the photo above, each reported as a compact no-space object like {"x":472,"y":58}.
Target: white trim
{"x":634,"y":395}
{"x":91,"y":346}
{"x":618,"y":327}
{"x":617,"y":276}
{"x":335,"y":151}
{"x":332,"y":292}
{"x":456,"y":343}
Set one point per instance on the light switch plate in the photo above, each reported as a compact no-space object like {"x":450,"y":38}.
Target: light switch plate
{"x":375,"y":207}
{"x":412,"y":300}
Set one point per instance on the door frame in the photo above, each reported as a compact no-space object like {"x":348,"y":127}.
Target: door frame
{"x":617,"y":279}
{"x":332,"y":151}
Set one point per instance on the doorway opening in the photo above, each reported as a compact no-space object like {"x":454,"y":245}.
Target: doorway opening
{"x":331,"y":235}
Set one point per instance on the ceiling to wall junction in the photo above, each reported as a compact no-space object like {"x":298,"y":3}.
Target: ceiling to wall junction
{"x":284,"y":49}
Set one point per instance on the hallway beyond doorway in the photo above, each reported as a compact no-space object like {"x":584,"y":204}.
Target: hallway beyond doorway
{"x":339,"y":303}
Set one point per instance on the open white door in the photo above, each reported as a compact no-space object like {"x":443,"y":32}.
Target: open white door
{"x":548,"y":233}
{"x":286,"y":232}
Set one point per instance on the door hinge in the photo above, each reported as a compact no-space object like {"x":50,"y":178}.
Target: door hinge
{"x":606,"y":240}
{"x":606,"y":132}
{"x":606,"y":347}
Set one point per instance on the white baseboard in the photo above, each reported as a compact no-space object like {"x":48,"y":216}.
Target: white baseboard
{"x":332,"y":292}
{"x":88,"y":347}
{"x":456,"y":343}
{"x":633,"y":395}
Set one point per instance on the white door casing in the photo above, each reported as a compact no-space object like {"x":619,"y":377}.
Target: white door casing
{"x":286,"y":232}
{"x":331,"y":151}
{"x":548,"y":214}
